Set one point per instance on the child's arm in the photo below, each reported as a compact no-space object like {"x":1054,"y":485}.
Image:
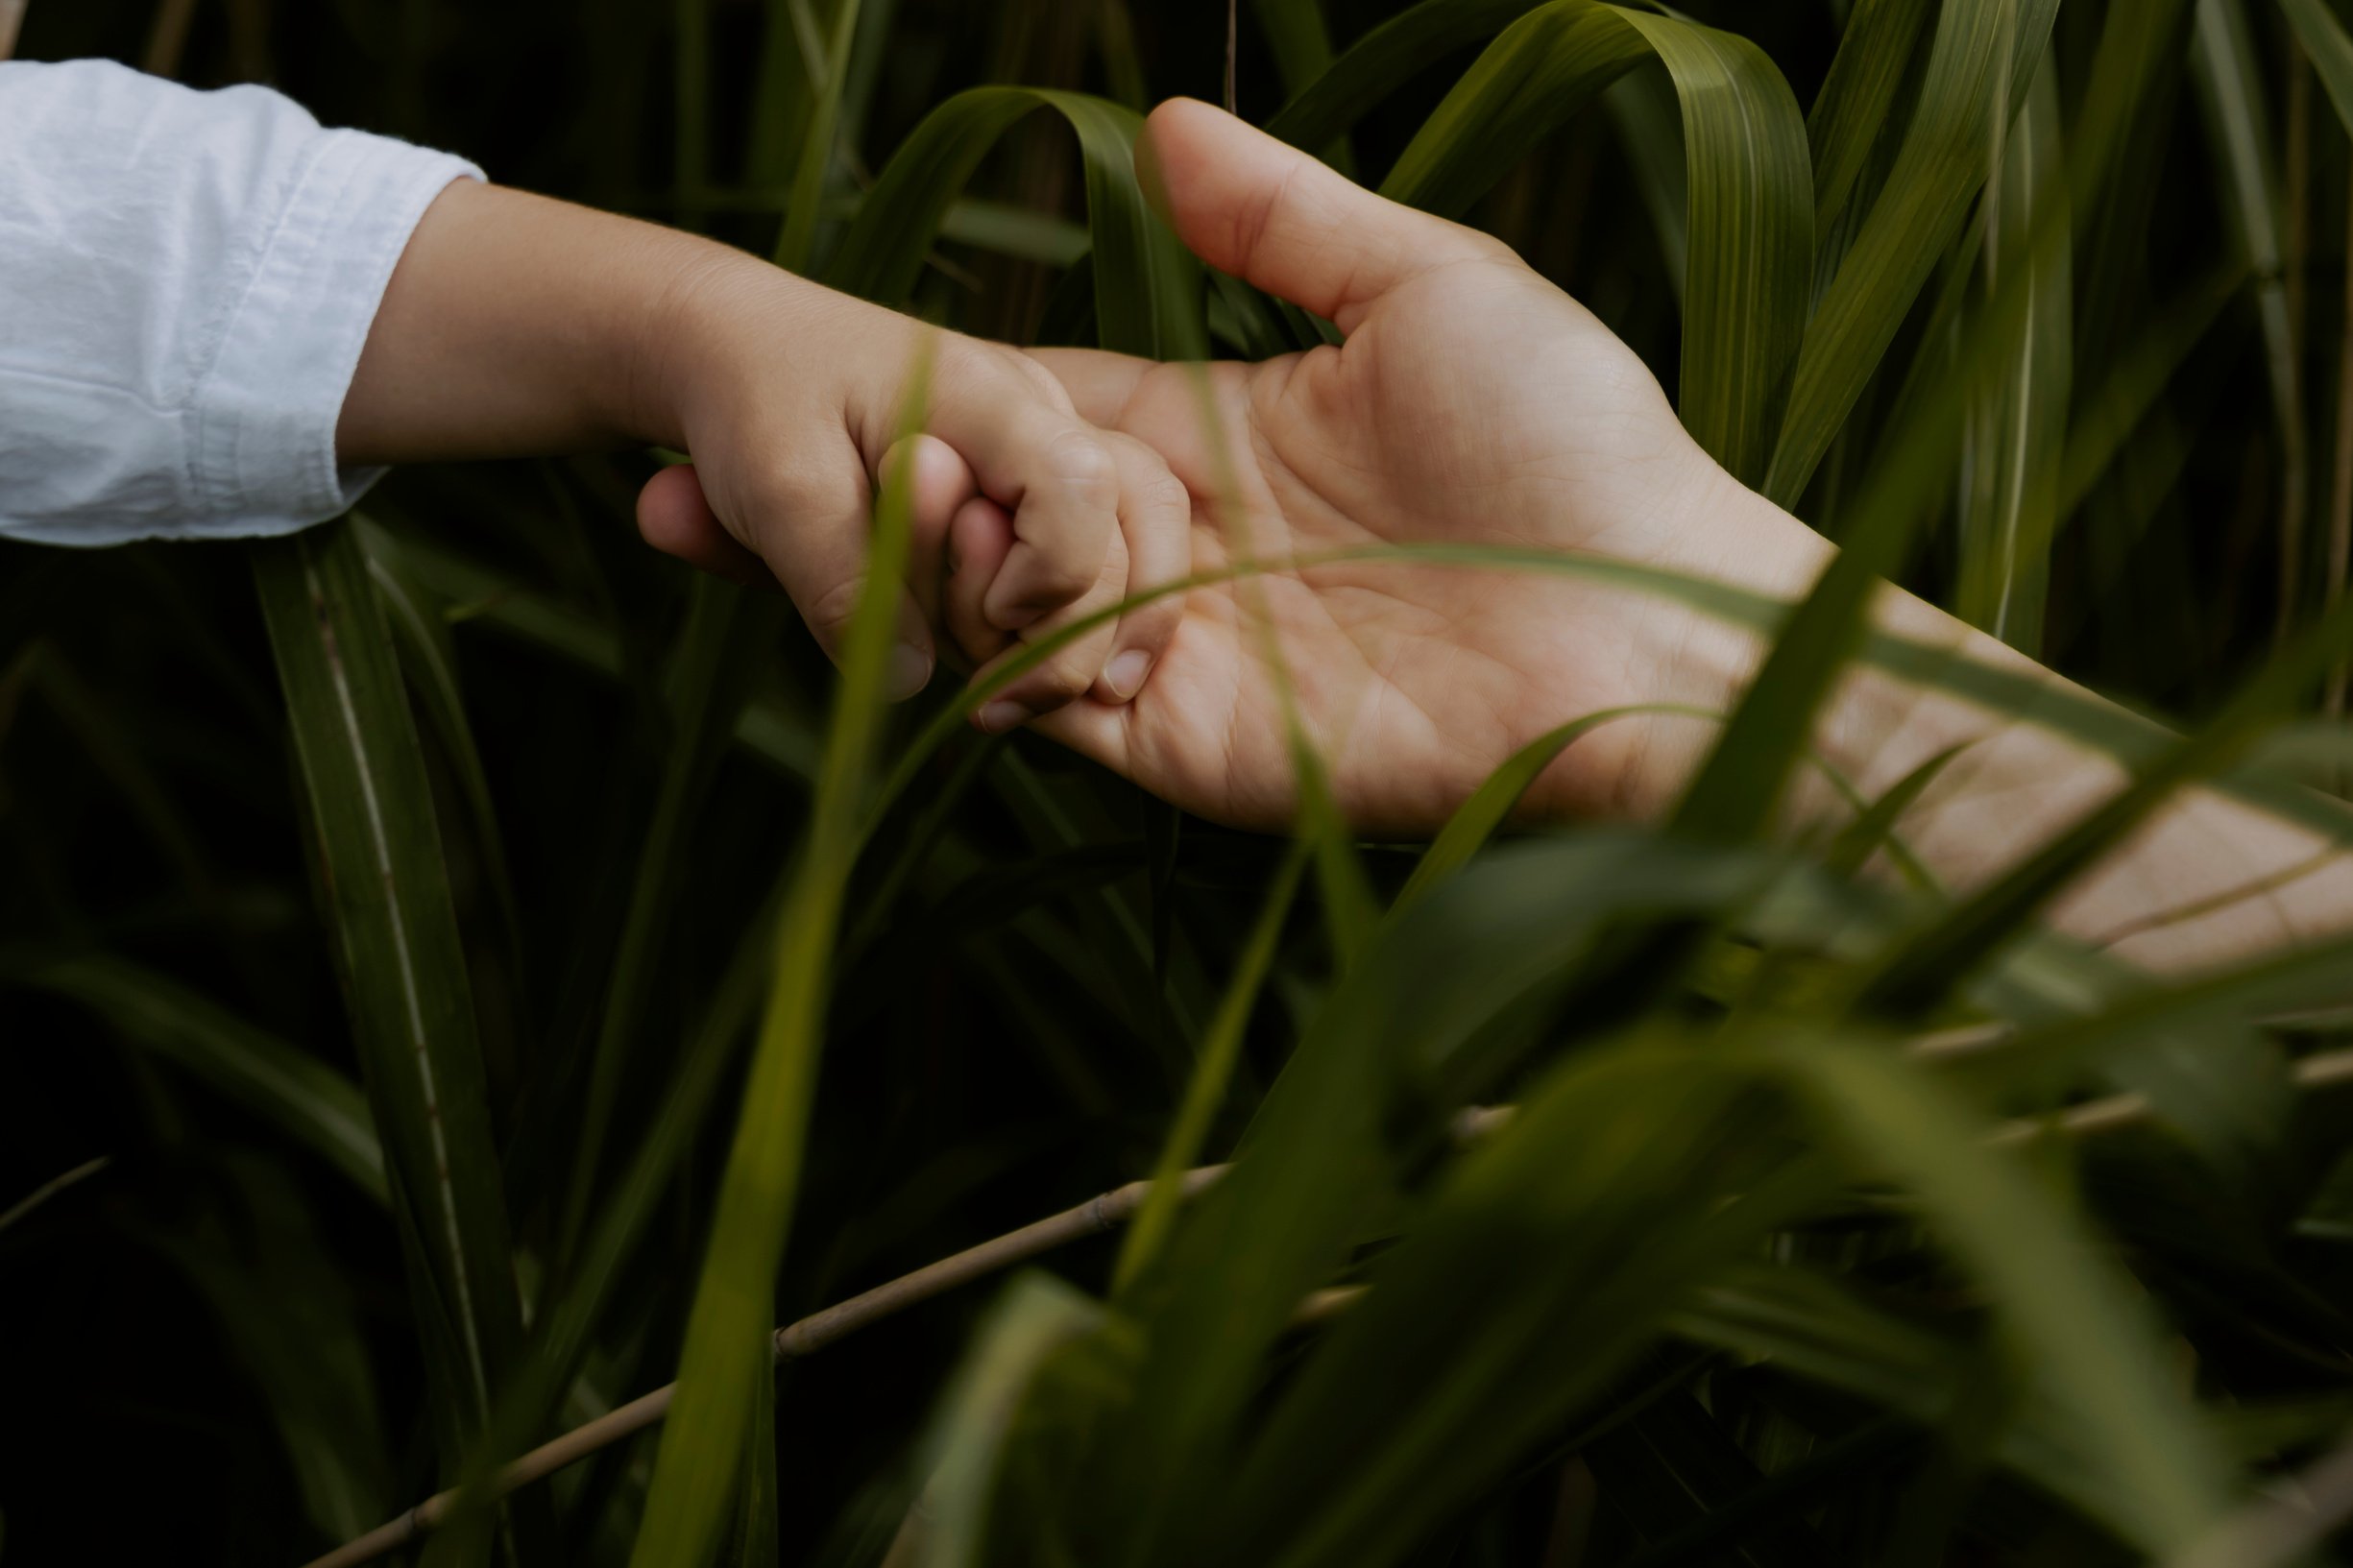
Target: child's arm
{"x":515,"y":324}
{"x":188,"y":282}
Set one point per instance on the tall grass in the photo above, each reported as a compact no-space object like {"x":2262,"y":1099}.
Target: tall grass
{"x":446,"y":957}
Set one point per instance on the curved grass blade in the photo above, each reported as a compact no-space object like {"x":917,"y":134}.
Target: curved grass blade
{"x":2074,"y":1319}
{"x":1148,"y":287}
{"x":1751,"y":217}
{"x":1384,"y":59}
{"x":699,"y":1461}
{"x":1979,"y":67}
{"x":401,"y":960}
{"x":302,"y":1096}
{"x":1476,"y":821}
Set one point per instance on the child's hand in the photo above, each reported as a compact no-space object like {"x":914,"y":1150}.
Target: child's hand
{"x":788,"y":398}
{"x":519,"y":324}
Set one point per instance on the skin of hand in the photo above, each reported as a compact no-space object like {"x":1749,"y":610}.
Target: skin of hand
{"x":1473,"y":402}
{"x":514,"y":325}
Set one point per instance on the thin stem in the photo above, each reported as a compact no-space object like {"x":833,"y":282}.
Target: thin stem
{"x":812,"y":1334}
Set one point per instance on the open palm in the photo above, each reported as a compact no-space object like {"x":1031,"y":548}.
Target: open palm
{"x":1472,"y":402}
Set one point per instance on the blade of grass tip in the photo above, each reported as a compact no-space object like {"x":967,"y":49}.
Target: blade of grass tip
{"x":797,"y":245}
{"x":2084,"y":1330}
{"x":1220,"y":1048}
{"x":1476,"y":820}
{"x":1916,"y":972}
{"x":403,"y":961}
{"x":2231,"y":93}
{"x":698,"y":1462}
{"x":1873,"y":829}
{"x":294,"y":1091}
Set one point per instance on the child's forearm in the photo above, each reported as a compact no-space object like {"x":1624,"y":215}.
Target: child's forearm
{"x":516,"y":324}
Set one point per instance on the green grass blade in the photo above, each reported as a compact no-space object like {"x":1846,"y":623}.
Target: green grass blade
{"x":1750,"y":180}
{"x":2016,"y":426}
{"x":402,"y":962}
{"x":796,"y":244}
{"x":2072,"y":1317}
{"x":1916,"y":973}
{"x":1298,"y":40}
{"x":1384,"y":59}
{"x":2109,"y":415}
{"x":302,"y":1096}
{"x":1148,"y":287}
{"x":1853,"y":110}
{"x":2329,"y":49}
{"x":699,"y":1463}
{"x":1974,"y":75}
{"x":2239,"y":123}
{"x":1212,"y":1073}
{"x":1476,"y":821}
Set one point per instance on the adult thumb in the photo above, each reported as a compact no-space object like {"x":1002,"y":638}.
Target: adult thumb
{"x":1270,"y":214}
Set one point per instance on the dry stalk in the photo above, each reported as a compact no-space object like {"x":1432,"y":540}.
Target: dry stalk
{"x":1093,"y":1217}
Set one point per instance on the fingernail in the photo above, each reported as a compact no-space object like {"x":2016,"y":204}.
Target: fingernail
{"x":1124,"y":673}
{"x":911,"y":672}
{"x":1003,"y":715}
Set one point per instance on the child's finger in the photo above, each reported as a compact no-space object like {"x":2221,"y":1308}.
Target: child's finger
{"x":979,"y":538}
{"x":821,"y":525}
{"x":1055,"y":472}
{"x":1155,"y":517}
{"x":943,"y":482}
{"x":674,"y":518}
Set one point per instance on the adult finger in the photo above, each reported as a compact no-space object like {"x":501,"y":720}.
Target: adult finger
{"x":1289,"y":223}
{"x":1100,"y":384}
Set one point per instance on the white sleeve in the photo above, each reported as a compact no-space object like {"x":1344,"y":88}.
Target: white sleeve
{"x":185,"y":282}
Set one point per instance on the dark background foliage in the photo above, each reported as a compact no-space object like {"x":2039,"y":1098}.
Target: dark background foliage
{"x":170,"y":1322}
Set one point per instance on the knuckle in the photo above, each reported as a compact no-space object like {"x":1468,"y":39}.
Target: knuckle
{"x":829,"y":609}
{"x":1076,"y":461}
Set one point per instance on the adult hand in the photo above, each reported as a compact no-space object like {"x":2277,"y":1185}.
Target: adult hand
{"x":1472,"y":402}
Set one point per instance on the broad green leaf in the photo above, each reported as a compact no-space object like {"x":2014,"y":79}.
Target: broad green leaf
{"x":1751,"y":219}
{"x":293,"y":1090}
{"x":1384,"y":59}
{"x":699,"y":1463}
{"x":1148,"y":293}
{"x":402,"y":963}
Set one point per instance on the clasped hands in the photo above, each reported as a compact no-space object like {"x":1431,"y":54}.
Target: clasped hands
{"x":1472,"y":402}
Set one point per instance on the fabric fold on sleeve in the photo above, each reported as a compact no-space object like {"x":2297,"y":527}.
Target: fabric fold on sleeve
{"x":186,"y":280}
